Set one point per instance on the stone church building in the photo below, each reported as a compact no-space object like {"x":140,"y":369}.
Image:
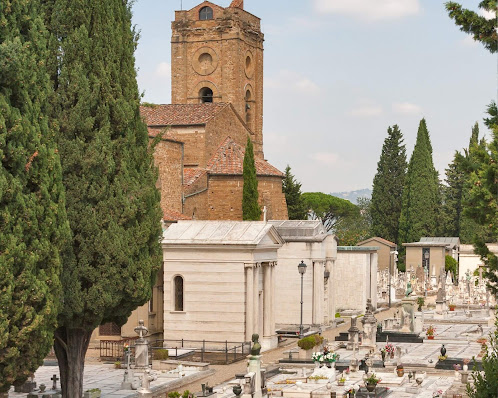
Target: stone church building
{"x":217,"y":102}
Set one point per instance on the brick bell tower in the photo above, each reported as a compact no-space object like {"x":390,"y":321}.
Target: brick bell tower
{"x":217,"y":56}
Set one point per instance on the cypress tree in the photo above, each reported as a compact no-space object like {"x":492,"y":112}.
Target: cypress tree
{"x":33,"y":222}
{"x":250,"y":195}
{"x":481,"y":29}
{"x":111,"y":199}
{"x":385,"y":206}
{"x":292,"y":190}
{"x":421,"y":193}
{"x":452,"y":197}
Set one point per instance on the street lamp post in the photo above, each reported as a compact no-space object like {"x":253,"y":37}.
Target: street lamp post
{"x":302,"y":270}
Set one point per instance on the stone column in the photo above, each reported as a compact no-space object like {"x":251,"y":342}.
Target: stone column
{"x":256,"y":298}
{"x":317,"y":312}
{"x":266,"y":300}
{"x":273,"y":309}
{"x":249,"y":301}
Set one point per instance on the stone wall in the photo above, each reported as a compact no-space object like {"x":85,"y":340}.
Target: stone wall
{"x":354,"y":280}
{"x":224,"y":54}
{"x":193,"y":138}
{"x":225,"y":197}
{"x":168,"y":157}
{"x":226,"y":123}
{"x":207,"y":295}
{"x":196,"y":206}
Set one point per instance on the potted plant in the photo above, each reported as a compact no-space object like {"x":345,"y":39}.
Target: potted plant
{"x":420,"y":302}
{"x":371,"y":382}
{"x":341,"y":381}
{"x":466,"y":362}
{"x":430,"y":332}
{"x":451,"y":306}
{"x":400,"y":370}
{"x":307,"y":344}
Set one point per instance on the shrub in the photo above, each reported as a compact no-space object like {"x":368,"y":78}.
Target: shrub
{"x":117,"y":365}
{"x":161,"y":354}
{"x":174,"y":394}
{"x":308,"y":342}
{"x":337,"y":315}
{"x":450,"y":264}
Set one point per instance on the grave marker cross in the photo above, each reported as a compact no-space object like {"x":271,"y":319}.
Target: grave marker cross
{"x":54,"y":380}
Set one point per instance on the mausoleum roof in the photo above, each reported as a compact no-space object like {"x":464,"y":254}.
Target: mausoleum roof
{"x":300,"y":230}
{"x":201,"y":232}
{"x":450,"y":242}
{"x":378,"y":239}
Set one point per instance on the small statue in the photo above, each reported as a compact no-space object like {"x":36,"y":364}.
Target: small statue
{"x":409,"y":289}
{"x":256,"y":347}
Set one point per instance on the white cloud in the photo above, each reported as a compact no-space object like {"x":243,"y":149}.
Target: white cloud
{"x":366,"y":111}
{"x":293,"y":81}
{"x":326,"y":158}
{"x":373,"y":10}
{"x":487,"y":14}
{"x":406,"y":108}
{"x":163,"y":70}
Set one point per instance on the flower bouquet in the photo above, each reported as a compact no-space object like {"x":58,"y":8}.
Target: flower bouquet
{"x":317,"y":357}
{"x":389,"y":350}
{"x":331,"y":357}
{"x":430,"y":332}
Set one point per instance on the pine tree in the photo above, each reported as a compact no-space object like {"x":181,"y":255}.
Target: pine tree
{"x":33,"y":223}
{"x":421,"y":193}
{"x":111,"y":198}
{"x":481,"y":29}
{"x":250,"y":205}
{"x":292,"y":191}
{"x":385,"y":206}
{"x":330,"y":210}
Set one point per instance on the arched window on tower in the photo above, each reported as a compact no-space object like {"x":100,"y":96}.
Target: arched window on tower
{"x":206,"y":95}
{"x":248,"y":99}
{"x":205,"y":13}
{"x":178,"y":286}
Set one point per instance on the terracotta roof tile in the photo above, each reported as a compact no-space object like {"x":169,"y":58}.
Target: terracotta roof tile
{"x":229,"y":160}
{"x":378,"y":239}
{"x":180,"y":114}
{"x":192,"y":174}
{"x":173,"y":215}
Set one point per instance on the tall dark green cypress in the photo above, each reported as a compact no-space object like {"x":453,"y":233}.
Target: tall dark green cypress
{"x":385,"y":205}
{"x":452,"y":197}
{"x":33,"y":222}
{"x":421,"y":194}
{"x":292,"y":190}
{"x":111,"y":197}
{"x":250,"y":206}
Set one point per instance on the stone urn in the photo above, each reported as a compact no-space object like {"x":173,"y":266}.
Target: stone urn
{"x":443,"y":351}
{"x":237,"y":390}
{"x":370,"y":387}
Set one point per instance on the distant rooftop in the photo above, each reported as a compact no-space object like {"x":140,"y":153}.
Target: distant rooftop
{"x":357,"y":248}
{"x":380,"y":240}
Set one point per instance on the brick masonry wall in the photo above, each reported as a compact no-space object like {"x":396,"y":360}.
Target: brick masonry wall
{"x":225,"y":124}
{"x":194,"y":139}
{"x":196,"y":206}
{"x":230,"y":38}
{"x":168,"y":159}
{"x":225,"y":197}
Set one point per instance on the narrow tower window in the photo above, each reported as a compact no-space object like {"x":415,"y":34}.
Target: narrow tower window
{"x":206,"y":95}
{"x":178,"y":293}
{"x":206,"y":13}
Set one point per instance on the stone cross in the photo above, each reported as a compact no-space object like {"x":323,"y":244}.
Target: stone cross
{"x":54,"y":380}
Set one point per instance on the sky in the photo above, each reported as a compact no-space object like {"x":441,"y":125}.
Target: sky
{"x":338,"y":73}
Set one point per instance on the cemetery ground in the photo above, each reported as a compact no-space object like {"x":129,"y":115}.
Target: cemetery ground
{"x":457,"y":332}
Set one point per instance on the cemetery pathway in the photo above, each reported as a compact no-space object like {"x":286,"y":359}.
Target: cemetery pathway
{"x":227,"y":372}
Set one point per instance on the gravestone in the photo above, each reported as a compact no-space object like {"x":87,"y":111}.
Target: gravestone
{"x":369,"y":327}
{"x":408,"y":314}
{"x":353,"y":334}
{"x":255,"y":367}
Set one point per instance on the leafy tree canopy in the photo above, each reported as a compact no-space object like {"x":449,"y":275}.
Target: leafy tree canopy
{"x":327,"y":208}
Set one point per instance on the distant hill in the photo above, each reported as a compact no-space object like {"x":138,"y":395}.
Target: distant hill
{"x":353,"y":196}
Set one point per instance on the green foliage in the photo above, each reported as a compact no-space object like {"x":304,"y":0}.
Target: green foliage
{"x":421,"y":193}
{"x":292,"y":190}
{"x":174,"y":394}
{"x":485,"y":382}
{"x":450,"y":264}
{"x":479,"y":27}
{"x":33,"y":223}
{"x":327,"y":208}
{"x":110,"y":180}
{"x":308,"y":342}
{"x":250,"y":205}
{"x":388,"y":185}
{"x":356,"y":226}
{"x":161,"y":354}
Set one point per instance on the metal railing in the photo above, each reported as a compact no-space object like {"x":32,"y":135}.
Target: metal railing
{"x":214,"y":352}
{"x":114,"y":349}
